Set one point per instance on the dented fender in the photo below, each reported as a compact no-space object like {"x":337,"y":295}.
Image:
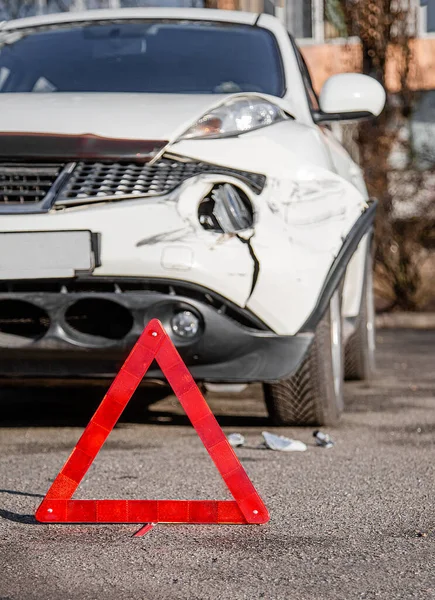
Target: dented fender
{"x":302,"y":218}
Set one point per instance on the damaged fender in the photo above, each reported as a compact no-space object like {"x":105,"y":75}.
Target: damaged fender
{"x":302,"y":218}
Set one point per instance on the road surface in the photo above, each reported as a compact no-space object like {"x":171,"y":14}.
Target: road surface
{"x":355,"y":521}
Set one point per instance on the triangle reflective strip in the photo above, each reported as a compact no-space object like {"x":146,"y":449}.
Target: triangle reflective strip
{"x":153,"y":344}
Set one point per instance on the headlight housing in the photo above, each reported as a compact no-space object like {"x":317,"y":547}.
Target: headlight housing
{"x":237,"y":115}
{"x":226,"y":209}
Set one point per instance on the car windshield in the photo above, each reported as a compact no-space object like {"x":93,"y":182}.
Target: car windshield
{"x":170,"y":57}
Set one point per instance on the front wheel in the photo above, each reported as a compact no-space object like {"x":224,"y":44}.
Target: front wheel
{"x":314,"y":394}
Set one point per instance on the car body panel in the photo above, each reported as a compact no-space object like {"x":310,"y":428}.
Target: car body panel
{"x":201,"y":14}
{"x":125,"y":116}
{"x":305,"y":237}
{"x":145,"y":238}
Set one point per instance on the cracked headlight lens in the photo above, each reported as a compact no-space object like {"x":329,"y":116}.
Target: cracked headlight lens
{"x":236,"y":116}
{"x":226,"y":210}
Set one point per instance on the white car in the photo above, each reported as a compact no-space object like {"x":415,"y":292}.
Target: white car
{"x":176,"y":163}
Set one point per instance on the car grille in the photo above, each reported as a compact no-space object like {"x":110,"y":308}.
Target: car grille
{"x":26,"y":183}
{"x":104,"y":181}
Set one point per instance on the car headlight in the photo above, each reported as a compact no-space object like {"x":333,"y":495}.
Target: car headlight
{"x":236,"y":116}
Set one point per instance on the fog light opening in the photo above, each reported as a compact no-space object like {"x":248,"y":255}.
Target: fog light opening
{"x":185,"y":324}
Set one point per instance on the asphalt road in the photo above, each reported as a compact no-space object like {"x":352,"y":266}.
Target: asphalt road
{"x":355,"y":521}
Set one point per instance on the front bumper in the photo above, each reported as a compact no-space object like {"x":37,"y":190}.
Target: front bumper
{"x":85,"y":329}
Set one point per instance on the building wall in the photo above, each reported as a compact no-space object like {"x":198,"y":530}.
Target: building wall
{"x":325,"y":60}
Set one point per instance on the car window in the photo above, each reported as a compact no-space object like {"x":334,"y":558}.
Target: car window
{"x":148,"y":56}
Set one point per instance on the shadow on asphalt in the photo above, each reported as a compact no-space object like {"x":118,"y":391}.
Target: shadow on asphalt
{"x":17,"y":518}
{"x":45,"y":407}
{"x":74,"y":407}
{"x":17,"y":493}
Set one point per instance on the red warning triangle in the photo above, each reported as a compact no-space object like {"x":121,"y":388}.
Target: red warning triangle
{"x":153,"y":344}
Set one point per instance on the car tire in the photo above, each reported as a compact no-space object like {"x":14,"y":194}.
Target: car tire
{"x":314,"y":394}
{"x":359,"y":354}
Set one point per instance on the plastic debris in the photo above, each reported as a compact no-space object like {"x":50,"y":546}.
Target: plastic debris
{"x":421,"y":534}
{"x":323,"y":440}
{"x":236,"y":440}
{"x":281,"y":443}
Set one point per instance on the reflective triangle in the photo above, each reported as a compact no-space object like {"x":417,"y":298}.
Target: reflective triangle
{"x":153,"y":344}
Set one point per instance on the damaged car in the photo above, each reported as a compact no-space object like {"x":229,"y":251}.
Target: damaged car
{"x":177,"y":164}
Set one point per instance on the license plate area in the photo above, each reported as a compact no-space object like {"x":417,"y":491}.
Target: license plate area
{"x":47,"y":254}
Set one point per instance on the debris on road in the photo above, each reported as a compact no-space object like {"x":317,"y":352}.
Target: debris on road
{"x":323,"y":439}
{"x":236,"y":440}
{"x":421,"y":534}
{"x":281,"y":443}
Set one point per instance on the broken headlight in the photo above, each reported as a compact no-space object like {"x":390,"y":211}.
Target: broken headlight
{"x":226,"y":209}
{"x":237,"y":115}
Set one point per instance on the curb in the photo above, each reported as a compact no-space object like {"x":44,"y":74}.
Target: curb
{"x":405,"y":320}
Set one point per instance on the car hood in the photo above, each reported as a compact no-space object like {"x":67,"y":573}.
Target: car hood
{"x":124,"y":116}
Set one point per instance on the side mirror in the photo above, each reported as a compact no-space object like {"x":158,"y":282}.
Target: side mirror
{"x":350,"y":96}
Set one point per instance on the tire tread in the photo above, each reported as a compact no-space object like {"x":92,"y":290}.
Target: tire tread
{"x":307,"y":397}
